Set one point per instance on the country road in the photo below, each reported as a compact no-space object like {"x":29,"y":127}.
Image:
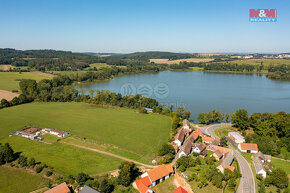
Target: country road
{"x":110,"y":154}
{"x":247,"y":182}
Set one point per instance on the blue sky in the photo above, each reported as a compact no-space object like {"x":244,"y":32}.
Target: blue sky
{"x":133,"y":25}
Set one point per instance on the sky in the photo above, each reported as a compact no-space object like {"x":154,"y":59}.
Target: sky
{"x":124,"y":26}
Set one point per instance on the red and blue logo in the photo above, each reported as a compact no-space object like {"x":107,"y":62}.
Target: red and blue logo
{"x":263,"y":15}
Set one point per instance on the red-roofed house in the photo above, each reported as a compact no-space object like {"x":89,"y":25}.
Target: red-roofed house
{"x":153,"y":177}
{"x":143,"y":185}
{"x":180,"y":190}
{"x":62,"y":188}
{"x":248,"y":147}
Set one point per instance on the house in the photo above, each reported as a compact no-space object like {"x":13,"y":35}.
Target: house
{"x":61,"y":188}
{"x":226,"y":162}
{"x":259,"y":162}
{"x":58,"y":133}
{"x":215,"y":142}
{"x":143,"y":185}
{"x":198,"y":148}
{"x":87,"y":189}
{"x":223,"y":150}
{"x":248,"y":147}
{"x":187,"y":147}
{"x":236,"y":137}
{"x":210,"y":140}
{"x":179,"y":190}
{"x":179,"y":138}
{"x":149,"y":110}
{"x":186,"y":124}
{"x":203,"y":154}
{"x":157,"y":175}
{"x":196,"y":134}
{"x":217,"y":155}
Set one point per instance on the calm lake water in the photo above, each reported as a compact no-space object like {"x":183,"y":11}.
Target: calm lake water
{"x":201,"y":92}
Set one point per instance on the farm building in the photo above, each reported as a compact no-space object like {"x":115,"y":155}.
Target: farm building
{"x":58,"y":133}
{"x":30,"y":133}
{"x":259,"y":162}
{"x":226,"y":162}
{"x":248,"y":147}
{"x":87,"y":189}
{"x":223,"y":150}
{"x":236,"y":137}
{"x":196,"y":134}
{"x":179,"y":190}
{"x":217,"y":155}
{"x":179,"y":137}
{"x":153,"y":177}
{"x":61,"y":188}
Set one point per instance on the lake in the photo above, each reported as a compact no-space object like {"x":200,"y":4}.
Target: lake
{"x":200,"y":91}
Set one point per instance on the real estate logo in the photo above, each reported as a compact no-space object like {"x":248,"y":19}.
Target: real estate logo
{"x":263,"y":15}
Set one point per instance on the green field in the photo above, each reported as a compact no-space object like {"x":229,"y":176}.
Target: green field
{"x":266,"y":62}
{"x":67,"y":72}
{"x":130,"y":133}
{"x":8,"y":80}
{"x":14,"y":180}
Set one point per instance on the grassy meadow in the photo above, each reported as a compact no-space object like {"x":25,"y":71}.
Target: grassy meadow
{"x":9,"y":80}
{"x":124,"y":131}
{"x":14,"y":180}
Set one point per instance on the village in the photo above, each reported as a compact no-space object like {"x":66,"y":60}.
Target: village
{"x":188,"y":141}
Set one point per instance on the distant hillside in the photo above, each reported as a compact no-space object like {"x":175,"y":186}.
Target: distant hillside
{"x":155,"y":55}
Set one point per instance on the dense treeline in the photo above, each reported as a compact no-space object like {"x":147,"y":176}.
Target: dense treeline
{"x":47,"y":59}
{"x":155,"y":55}
{"x":271,"y":131}
{"x":213,"y":116}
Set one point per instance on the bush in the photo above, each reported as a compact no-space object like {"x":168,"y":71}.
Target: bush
{"x":279,"y":178}
{"x":39,"y":169}
{"x":142,"y":110}
{"x":166,"y":149}
{"x":82,"y":178}
{"x":48,"y":173}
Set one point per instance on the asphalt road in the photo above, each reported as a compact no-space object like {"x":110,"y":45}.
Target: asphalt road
{"x":247,"y":183}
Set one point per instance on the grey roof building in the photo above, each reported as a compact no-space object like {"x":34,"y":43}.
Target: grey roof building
{"x":87,"y":189}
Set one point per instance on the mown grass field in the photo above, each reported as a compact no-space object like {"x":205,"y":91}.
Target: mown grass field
{"x":9,"y":80}
{"x":15,"y":180}
{"x":130,"y":133}
{"x":64,"y":158}
{"x":277,"y":163}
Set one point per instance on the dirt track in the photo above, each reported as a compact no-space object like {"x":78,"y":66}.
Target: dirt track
{"x":110,"y":154}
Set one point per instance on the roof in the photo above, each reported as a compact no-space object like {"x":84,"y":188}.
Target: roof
{"x":187,"y":147}
{"x":201,"y":147}
{"x":206,"y":138}
{"x":185,"y":122}
{"x":87,"y":189}
{"x":223,"y":150}
{"x":249,"y":146}
{"x":218,"y":154}
{"x":258,"y":164}
{"x":203,"y":153}
{"x":215,"y":142}
{"x":142,"y":184}
{"x":180,"y":135}
{"x":236,"y":135}
{"x":160,"y":172}
{"x":179,"y":190}
{"x":61,"y":188}
{"x":226,"y":160}
{"x":230,"y":167}
{"x":57,"y":131}
{"x":196,"y":133}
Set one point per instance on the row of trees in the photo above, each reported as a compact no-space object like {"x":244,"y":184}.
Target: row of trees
{"x":213,"y":116}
